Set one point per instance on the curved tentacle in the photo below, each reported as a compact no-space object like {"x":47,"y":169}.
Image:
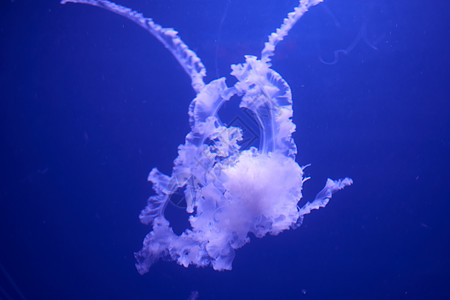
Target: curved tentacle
{"x":288,"y":23}
{"x":187,"y":58}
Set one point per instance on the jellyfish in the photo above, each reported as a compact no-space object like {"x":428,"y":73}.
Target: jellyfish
{"x":231,"y":193}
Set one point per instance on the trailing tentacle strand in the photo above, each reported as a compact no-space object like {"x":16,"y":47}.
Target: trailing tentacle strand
{"x":288,"y":23}
{"x":187,"y":58}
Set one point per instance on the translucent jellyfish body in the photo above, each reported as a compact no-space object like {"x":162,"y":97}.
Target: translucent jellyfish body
{"x":230,"y":192}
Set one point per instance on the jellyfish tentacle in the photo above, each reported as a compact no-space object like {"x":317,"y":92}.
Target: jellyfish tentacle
{"x":324,"y":196}
{"x":281,"y":32}
{"x":187,"y":58}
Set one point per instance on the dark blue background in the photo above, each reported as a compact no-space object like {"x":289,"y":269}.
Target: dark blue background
{"x":90,"y":103}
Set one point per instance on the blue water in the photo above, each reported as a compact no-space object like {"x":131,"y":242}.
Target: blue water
{"x":90,"y":103}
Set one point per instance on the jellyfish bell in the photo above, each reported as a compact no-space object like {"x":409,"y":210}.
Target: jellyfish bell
{"x":230,"y":192}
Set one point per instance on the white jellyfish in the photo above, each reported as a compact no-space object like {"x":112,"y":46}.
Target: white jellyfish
{"x":230,"y":192}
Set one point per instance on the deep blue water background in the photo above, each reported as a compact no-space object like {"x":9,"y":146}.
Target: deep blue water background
{"x":90,"y":103}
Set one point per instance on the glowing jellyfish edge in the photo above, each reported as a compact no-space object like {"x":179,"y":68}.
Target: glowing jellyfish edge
{"x":229,"y":192}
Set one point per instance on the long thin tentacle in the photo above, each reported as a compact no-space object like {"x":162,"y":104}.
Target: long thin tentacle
{"x":187,"y":58}
{"x":288,"y":23}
